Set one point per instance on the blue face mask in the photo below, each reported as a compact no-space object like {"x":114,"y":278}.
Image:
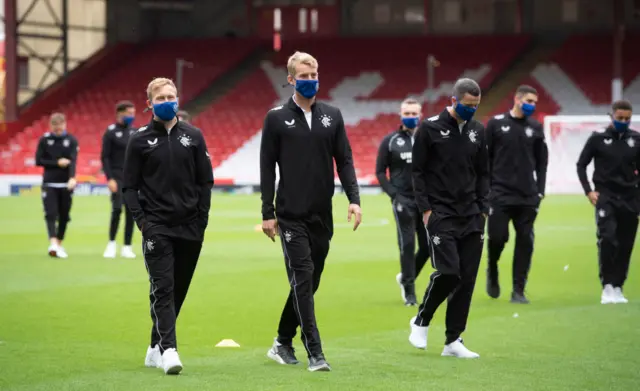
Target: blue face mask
{"x":307,"y":88}
{"x":128,"y":120}
{"x":528,"y":109}
{"x":166,"y":111}
{"x":620,"y":126}
{"x":410,"y":122}
{"x":464,"y":112}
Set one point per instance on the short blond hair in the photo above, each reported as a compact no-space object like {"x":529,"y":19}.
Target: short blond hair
{"x":157,"y":83}
{"x":411,"y":101}
{"x":57,"y":119}
{"x":300,"y":58}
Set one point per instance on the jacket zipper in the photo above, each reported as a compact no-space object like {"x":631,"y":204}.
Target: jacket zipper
{"x":173,"y":196}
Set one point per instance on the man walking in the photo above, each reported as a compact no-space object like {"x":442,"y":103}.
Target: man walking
{"x":167,"y":186}
{"x":616,"y":197}
{"x":518,"y":159}
{"x":304,"y":137}
{"x":58,"y":153}
{"x":451,"y":182}
{"x":394,"y":155}
{"x":114,"y":144}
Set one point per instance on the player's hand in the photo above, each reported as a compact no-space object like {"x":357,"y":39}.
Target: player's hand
{"x":112,"y":185}
{"x":593,"y":197}
{"x":355,"y":210}
{"x":270,"y":228}
{"x":63,"y":162}
{"x":425,"y":217}
{"x":72,"y":184}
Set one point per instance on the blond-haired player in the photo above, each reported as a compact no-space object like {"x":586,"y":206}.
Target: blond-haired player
{"x":304,"y":137}
{"x":167,"y":186}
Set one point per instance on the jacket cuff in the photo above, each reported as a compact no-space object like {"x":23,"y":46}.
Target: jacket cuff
{"x":268,"y":215}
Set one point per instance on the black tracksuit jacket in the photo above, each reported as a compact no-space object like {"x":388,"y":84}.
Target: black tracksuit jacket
{"x":51,"y":148}
{"x":616,"y":159}
{"x":305,"y":159}
{"x":168,"y":176}
{"x":517,"y":151}
{"x":395,"y":154}
{"x":450,"y":166}
{"x":114,"y":145}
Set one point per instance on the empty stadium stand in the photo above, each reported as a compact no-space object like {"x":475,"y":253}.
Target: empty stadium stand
{"x":577,"y":77}
{"x":367,"y":78}
{"x":92,"y":110}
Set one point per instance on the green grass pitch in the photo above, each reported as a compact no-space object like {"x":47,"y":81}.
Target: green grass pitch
{"x":83,"y":323}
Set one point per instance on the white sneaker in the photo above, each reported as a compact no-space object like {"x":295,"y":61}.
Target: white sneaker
{"x":53,"y":250}
{"x":127,"y":252}
{"x":618,"y":296}
{"x":110,"y":251}
{"x":457,"y":349}
{"x":608,"y":295}
{"x":171,"y":362}
{"x":418,"y":336}
{"x":154,"y":358}
{"x":402,"y":293}
{"x":61,"y":253}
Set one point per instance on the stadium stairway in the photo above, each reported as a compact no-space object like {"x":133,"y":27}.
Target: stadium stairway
{"x":224,"y":84}
{"x":538,"y":52}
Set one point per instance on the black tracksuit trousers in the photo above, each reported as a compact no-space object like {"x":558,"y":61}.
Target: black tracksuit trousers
{"x":305,"y":244}
{"x":57,"y":207}
{"x":523,"y":218}
{"x":456,"y":248}
{"x":409,"y":223}
{"x":117,"y":203}
{"x":170,"y":260}
{"x":617,"y":228}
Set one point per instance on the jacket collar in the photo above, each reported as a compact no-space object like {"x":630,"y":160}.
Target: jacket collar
{"x":291,"y":104}
{"x":612,"y":132}
{"x":450,"y":120}
{"x":403,"y":131}
{"x":159,"y":126}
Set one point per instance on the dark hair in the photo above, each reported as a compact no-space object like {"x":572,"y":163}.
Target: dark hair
{"x":123,"y":105}
{"x":621,"y":105}
{"x":526,"y":89}
{"x":184,"y":115}
{"x":466,"y":86}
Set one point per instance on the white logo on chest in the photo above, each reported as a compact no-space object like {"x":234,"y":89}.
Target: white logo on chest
{"x":325,"y":120}
{"x":505,"y":128}
{"x":400,"y":142}
{"x":436,"y":240}
{"x":631,"y":142}
{"x":473,"y":136}
{"x":529,"y":132}
{"x":184,"y":140}
{"x":290,"y":123}
{"x":445,"y":133}
{"x":607,"y":141}
{"x":50,"y":142}
{"x":154,"y":142}
{"x":65,"y":143}
{"x":118,"y":134}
